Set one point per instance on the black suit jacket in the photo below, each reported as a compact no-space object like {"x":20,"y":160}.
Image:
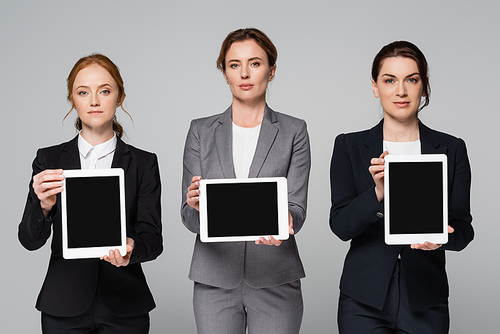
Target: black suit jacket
{"x":357,"y":215}
{"x":70,"y":285}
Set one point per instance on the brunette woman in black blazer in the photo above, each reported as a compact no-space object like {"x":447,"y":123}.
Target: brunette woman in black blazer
{"x":93,"y":295}
{"x":394,"y":289}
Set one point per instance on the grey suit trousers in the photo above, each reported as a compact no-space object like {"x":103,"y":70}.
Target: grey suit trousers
{"x":274,"y":310}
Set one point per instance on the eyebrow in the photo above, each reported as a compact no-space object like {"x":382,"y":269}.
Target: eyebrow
{"x":250,"y":59}
{"x":103,"y":85}
{"x":393,"y":76}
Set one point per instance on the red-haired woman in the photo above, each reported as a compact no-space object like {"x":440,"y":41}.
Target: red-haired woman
{"x":394,"y":289}
{"x":92,"y":295}
{"x":240,"y":284}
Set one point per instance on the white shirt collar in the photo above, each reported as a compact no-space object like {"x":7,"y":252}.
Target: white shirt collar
{"x":100,"y":150}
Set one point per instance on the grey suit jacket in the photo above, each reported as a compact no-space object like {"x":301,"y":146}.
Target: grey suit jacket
{"x":282,"y":150}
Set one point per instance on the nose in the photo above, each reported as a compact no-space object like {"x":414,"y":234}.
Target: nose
{"x":94,"y":102}
{"x":245,"y":74}
{"x":401,"y":90}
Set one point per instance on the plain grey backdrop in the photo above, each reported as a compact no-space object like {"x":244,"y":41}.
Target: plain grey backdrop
{"x":166,"y":51}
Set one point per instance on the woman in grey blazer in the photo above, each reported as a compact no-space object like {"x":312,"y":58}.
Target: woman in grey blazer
{"x":240,"y":284}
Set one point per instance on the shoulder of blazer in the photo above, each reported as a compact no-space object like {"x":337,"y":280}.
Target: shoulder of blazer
{"x":368,"y":138}
{"x":124,"y":148}
{"x":374,"y":136}
{"x":270,"y":116}
{"x":63,"y":147}
{"x":436,"y":138}
{"x":127,"y":155}
{"x":213,"y":120}
{"x":286,"y":121}
{"x":53,"y":153}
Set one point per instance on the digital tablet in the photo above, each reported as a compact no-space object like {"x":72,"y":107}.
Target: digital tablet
{"x":243,"y":209}
{"x":416,"y":199}
{"x":93,"y":213}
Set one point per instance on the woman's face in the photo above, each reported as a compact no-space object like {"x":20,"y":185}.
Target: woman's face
{"x":95,"y":95}
{"x":247,"y":71}
{"x":399,"y":87}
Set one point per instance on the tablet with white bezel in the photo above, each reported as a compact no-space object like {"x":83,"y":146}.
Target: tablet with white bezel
{"x":93,"y":213}
{"x":416,"y":199}
{"x":243,"y":209}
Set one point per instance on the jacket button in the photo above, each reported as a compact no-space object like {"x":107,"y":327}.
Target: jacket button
{"x":380,"y":215}
{"x":38,"y":223}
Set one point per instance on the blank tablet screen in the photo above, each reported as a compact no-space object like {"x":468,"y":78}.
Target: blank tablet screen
{"x":93,"y":211}
{"x":225,"y":203}
{"x":416,"y":197}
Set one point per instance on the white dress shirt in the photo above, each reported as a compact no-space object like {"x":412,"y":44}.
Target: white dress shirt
{"x":244,"y":146}
{"x":96,"y":157}
{"x":402,"y":148}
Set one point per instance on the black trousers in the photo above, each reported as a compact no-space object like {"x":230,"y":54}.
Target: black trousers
{"x":395,"y":317}
{"x":96,"y":320}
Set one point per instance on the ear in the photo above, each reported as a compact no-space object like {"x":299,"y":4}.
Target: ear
{"x":272,"y":72}
{"x":423,"y":92}
{"x":375,"y":89}
{"x":225,"y":76}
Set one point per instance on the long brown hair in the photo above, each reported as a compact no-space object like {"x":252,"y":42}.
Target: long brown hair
{"x":113,"y":70}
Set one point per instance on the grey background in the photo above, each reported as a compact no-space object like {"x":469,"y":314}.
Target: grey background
{"x":167,"y":50}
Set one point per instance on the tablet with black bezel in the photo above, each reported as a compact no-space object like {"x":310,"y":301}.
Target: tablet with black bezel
{"x":243,"y":209}
{"x":93,"y":213}
{"x":416,"y":199}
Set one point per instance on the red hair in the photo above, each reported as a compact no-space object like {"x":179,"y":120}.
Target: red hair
{"x":113,"y":70}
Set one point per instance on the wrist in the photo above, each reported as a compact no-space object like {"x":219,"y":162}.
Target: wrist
{"x":380,"y":194}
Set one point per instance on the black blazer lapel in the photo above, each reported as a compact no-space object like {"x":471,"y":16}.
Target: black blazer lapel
{"x":372,"y":148}
{"x":267,"y":136}
{"x":70,"y":157}
{"x":429,"y":144}
{"x":224,"y":144}
{"x":122,"y":156}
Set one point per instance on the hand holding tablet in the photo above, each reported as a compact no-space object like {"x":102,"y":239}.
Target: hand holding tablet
{"x":270,"y":241}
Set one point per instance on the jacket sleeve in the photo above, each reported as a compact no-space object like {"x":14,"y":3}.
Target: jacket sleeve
{"x":191,"y":168}
{"x":298,"y":177}
{"x":459,"y":216}
{"x":351,"y":212}
{"x":34,"y":229}
{"x":148,"y":242}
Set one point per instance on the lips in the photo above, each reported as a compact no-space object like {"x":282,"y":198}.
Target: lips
{"x":246,"y":86}
{"x":401,"y":104}
{"x":95,"y":112}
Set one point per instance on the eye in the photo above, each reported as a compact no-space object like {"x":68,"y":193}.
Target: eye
{"x":233,"y":65}
{"x":105,"y":92}
{"x":255,"y":64}
{"x":389,"y":81}
{"x":82,"y":93}
{"x":413,"y":80}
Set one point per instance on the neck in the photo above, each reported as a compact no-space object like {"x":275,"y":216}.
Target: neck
{"x":248,"y":114}
{"x":96,"y":136}
{"x":401,"y":131}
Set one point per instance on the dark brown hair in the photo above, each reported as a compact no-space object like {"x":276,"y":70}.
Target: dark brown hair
{"x":241,"y":35}
{"x":406,"y":50}
{"x":113,"y":70}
